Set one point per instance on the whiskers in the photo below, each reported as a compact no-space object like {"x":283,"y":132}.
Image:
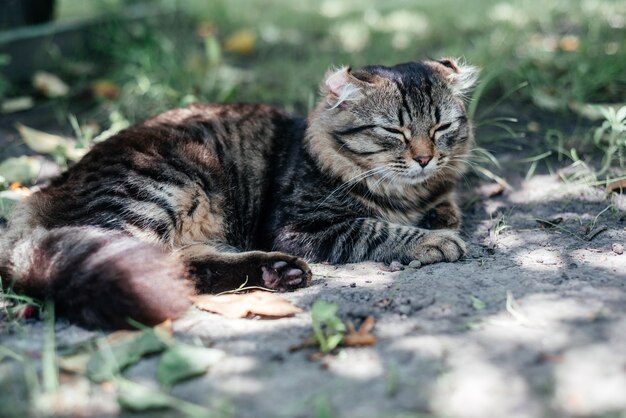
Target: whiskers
{"x":455,"y":164}
{"x":389,"y":177}
{"x":351,"y":183}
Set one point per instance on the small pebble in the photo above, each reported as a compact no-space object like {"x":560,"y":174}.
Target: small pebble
{"x":277,"y":357}
{"x":617,"y":248}
{"x":404,"y":309}
{"x":415,"y":264}
{"x":421,"y":302}
{"x":395,"y":266}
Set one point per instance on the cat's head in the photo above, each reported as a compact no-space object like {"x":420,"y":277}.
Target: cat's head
{"x":402,"y":124}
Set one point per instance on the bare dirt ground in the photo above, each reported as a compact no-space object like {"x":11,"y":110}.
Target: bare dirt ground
{"x":531,"y":324}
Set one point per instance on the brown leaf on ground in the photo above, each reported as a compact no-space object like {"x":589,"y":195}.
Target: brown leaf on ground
{"x":242,"y":42}
{"x":352,"y":338}
{"x":242,"y":305}
{"x":363,"y":336}
{"x":105,"y":90}
{"x":616,"y":186}
{"x":359,"y":340}
{"x":368,"y":325}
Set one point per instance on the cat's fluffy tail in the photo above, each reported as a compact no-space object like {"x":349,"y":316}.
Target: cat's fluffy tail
{"x":96,"y":278}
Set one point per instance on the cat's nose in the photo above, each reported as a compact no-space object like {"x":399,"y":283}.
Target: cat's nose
{"x":423,"y":160}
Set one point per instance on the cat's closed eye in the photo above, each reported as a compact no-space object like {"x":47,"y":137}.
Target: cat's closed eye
{"x":400,"y":133}
{"x":437,"y":131}
{"x":392,"y":130}
{"x":443,"y":127}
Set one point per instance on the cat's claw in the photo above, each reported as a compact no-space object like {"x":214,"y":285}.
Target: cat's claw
{"x":282,"y":275}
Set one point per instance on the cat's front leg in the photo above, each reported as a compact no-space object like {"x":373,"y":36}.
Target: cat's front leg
{"x":444,"y":215}
{"x":372,"y":239}
{"x":439,"y":245}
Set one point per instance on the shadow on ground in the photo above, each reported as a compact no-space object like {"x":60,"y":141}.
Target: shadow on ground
{"x":531,"y":324}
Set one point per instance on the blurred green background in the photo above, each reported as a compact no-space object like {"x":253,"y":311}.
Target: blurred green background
{"x":550,"y":69}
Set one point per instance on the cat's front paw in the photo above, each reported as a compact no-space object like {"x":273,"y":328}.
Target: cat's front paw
{"x":284,"y":272}
{"x":440,"y":245}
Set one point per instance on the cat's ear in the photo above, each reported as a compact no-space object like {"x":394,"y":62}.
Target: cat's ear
{"x":340,"y":86}
{"x":460,"y":76}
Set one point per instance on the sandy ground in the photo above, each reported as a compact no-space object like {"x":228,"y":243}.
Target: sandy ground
{"x":557,"y":349}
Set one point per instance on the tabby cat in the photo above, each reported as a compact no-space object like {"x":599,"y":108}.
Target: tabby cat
{"x":205,"y":198}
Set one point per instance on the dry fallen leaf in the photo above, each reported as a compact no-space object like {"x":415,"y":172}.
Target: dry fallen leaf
{"x":242,"y":305}
{"x":358,"y":340}
{"x":105,"y":89}
{"x":363,"y":336}
{"x":39,"y":141}
{"x":616,"y":186}
{"x":49,"y":84}
{"x":352,"y":338}
{"x":241,"y":42}
{"x":569,"y":43}
{"x":46,"y":143}
{"x":17,"y":104}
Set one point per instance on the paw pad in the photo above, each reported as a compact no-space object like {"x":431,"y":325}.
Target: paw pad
{"x":285,"y":275}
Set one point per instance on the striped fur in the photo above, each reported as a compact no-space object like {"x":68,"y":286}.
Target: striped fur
{"x":205,"y":198}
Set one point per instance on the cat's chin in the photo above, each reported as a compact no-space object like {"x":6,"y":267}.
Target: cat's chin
{"x":413,"y":180}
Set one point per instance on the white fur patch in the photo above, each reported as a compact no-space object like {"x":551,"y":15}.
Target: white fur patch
{"x":338,"y":83}
{"x":464,"y":78}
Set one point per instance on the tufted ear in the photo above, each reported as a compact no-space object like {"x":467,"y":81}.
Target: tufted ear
{"x":460,"y":76}
{"x":341,"y":86}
